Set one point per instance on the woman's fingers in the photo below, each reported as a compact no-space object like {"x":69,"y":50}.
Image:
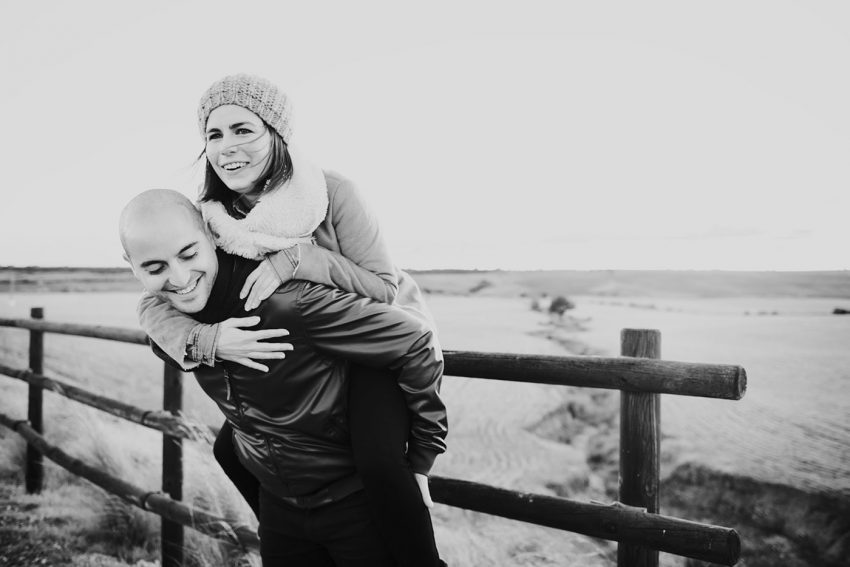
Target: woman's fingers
{"x":260,"y":292}
{"x":271,"y":355}
{"x":264,"y":282}
{"x":249,"y":281}
{"x":251,"y":364}
{"x":239,"y":322}
{"x":268,"y":347}
{"x":269,"y":334}
{"x":269,"y":290}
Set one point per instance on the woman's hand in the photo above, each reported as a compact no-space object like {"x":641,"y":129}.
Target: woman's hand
{"x":244,"y":347}
{"x":260,"y":284}
{"x":422,"y":483}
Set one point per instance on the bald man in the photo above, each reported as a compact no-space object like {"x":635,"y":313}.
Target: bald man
{"x":290,"y":424}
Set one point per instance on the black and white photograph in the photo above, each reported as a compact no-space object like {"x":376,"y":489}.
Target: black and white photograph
{"x":444,"y":284}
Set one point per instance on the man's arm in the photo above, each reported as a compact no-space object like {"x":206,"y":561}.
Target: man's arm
{"x":378,"y":335}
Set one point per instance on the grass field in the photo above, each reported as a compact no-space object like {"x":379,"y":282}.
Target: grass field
{"x":774,"y":465}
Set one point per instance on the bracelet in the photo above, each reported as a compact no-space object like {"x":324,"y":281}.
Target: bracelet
{"x":296,"y":262}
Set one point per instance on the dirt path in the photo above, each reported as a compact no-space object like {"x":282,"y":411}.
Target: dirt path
{"x":490,"y":442}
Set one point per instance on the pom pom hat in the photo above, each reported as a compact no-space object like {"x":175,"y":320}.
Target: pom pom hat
{"x":258,"y":95}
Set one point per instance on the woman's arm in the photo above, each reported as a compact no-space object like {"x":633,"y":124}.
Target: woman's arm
{"x":168,"y":328}
{"x":363,"y":264}
{"x":189,"y":343}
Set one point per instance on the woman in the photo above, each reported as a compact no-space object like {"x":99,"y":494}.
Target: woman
{"x":263,"y":201}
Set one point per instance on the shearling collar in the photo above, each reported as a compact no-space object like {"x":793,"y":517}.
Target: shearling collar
{"x":280,"y":219}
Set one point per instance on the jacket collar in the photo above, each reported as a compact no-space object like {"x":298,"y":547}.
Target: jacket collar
{"x":224,"y":301}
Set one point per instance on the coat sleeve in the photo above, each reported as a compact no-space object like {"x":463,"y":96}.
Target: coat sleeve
{"x":363,"y":264}
{"x":378,"y":335}
{"x":167,"y":327}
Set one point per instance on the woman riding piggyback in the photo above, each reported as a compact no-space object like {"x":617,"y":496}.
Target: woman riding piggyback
{"x":265,"y":201}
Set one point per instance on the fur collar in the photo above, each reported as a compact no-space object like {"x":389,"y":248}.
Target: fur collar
{"x":281,"y":218}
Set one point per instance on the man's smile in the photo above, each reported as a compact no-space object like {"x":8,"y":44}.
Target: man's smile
{"x":188,"y":289}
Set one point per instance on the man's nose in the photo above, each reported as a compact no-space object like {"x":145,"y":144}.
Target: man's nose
{"x":180,"y":276}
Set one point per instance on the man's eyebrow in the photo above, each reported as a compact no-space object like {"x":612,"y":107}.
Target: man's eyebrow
{"x":182,"y":250}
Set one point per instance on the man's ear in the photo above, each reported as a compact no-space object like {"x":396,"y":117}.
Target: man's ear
{"x":127,"y":259}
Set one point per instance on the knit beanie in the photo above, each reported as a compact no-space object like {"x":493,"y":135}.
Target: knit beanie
{"x":258,"y":95}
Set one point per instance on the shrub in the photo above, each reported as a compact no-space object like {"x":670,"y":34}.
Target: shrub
{"x":560,"y":305}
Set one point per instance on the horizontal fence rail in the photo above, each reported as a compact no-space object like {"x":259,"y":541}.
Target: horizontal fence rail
{"x":634,"y":527}
{"x":613,"y":373}
{"x":163,"y":421}
{"x":723,"y":381}
{"x":120,"y":334}
{"x":195,"y":518}
{"x":615,"y":522}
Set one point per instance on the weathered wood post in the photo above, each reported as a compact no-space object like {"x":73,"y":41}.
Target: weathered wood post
{"x":172,"y":469}
{"x":640,"y":444}
{"x":34,"y":472}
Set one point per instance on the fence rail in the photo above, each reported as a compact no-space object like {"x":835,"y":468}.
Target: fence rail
{"x":724,"y":381}
{"x":634,"y":522}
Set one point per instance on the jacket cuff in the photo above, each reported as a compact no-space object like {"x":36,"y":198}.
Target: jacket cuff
{"x":201,"y":345}
{"x":421,"y":458}
{"x":207,"y":343}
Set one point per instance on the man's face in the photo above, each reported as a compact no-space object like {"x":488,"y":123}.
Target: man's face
{"x":173,"y":258}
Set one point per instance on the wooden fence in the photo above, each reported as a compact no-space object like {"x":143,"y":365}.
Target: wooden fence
{"x":634,"y":522}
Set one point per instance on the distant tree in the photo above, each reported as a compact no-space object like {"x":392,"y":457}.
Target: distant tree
{"x":561,"y":305}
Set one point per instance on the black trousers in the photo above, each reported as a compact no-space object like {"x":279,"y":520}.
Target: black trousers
{"x":339,"y":534}
{"x":379,"y":424}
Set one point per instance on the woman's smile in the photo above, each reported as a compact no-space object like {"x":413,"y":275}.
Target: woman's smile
{"x":234,"y":165}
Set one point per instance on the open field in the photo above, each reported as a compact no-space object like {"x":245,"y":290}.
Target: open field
{"x":775,"y":465}
{"x":686,"y":284}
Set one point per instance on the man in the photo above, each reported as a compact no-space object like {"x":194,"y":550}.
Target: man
{"x":290,"y":424}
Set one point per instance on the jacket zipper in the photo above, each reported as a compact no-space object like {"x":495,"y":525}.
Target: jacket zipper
{"x":227,"y":384}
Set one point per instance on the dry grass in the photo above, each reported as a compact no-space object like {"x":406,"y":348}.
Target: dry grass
{"x":540,"y":439}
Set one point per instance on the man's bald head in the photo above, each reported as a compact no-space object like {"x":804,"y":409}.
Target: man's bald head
{"x":168,"y":246}
{"x":152,"y":203}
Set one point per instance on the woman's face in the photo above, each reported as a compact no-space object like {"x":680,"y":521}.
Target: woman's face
{"x":238,"y":147}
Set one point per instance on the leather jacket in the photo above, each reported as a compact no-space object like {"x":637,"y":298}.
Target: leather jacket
{"x":291,"y":424}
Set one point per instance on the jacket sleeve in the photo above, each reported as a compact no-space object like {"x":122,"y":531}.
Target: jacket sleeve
{"x":157,"y":350}
{"x":168,"y":328}
{"x":363,"y":265}
{"x":378,"y":335}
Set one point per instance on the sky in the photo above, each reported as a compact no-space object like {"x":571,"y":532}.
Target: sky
{"x":523,"y":135}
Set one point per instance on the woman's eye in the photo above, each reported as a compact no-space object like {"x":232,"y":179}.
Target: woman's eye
{"x":213,"y":136}
{"x":243,"y":131}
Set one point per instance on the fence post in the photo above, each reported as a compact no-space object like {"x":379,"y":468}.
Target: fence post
{"x":34,"y":470}
{"x":172,"y":469}
{"x":640,"y":444}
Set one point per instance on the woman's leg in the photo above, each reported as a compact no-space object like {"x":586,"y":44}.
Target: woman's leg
{"x":380,"y":425}
{"x":245,"y":482}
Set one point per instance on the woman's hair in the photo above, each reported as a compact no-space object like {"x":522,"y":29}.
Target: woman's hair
{"x":278,"y":171}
